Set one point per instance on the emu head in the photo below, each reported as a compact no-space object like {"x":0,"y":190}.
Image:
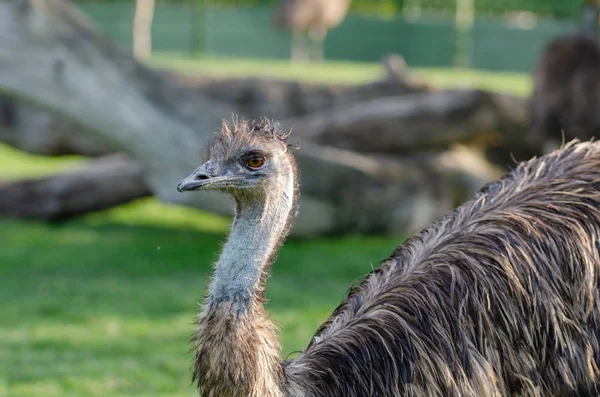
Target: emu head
{"x":244,"y":158}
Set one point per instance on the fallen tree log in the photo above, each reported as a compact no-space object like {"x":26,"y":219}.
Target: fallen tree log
{"x":351,"y":192}
{"x":99,"y":185}
{"x":342,"y":187}
{"x":51,"y":57}
{"x":394,"y":125}
{"x":283,"y":99}
{"x":418,"y":121}
{"x":35,"y":130}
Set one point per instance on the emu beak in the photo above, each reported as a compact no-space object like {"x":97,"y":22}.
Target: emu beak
{"x":205,"y":177}
{"x":197,"y":180}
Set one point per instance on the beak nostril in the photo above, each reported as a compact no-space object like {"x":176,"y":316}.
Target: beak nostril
{"x":201,"y":177}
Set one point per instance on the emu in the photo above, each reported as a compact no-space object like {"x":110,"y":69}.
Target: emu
{"x":312,"y":17}
{"x":498,"y":298}
{"x":566,"y":94}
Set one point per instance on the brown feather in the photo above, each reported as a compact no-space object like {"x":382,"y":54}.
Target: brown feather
{"x":498,"y":298}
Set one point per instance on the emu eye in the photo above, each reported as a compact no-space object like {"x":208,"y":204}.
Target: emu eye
{"x":255,"y":162}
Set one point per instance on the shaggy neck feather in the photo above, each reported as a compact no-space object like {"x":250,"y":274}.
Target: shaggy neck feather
{"x":257,"y":231}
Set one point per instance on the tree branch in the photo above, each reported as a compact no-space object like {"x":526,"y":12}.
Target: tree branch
{"x":99,"y":185}
{"x":51,"y":57}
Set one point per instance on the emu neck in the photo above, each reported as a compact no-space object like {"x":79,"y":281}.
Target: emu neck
{"x":260,"y":225}
{"x":237,"y":352}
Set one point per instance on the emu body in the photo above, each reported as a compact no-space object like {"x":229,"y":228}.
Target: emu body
{"x":312,"y":18}
{"x":566,"y":93}
{"x":498,"y":298}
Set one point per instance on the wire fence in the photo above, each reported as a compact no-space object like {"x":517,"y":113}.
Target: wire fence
{"x":549,"y":8}
{"x":488,"y":34}
{"x":560,"y":9}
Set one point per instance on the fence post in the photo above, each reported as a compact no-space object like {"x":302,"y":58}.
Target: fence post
{"x":412,"y":8}
{"x":199,"y":27}
{"x":142,"y":29}
{"x":465,"y":16}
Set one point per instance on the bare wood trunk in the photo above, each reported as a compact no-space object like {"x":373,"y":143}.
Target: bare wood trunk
{"x":418,"y":121}
{"x":50,"y":56}
{"x":101,"y":184}
{"x":393,"y":125}
{"x":37,"y":131}
{"x":282,"y":99}
{"x":357,"y":193}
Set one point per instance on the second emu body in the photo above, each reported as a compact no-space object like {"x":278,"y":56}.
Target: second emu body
{"x":311,"y":17}
{"x":566,"y":80}
{"x":498,"y":298}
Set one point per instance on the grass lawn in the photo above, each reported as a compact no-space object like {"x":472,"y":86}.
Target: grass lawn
{"x":104,"y":305}
{"x":344,"y":72}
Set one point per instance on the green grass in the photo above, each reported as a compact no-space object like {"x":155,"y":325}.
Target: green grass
{"x":343,"y":72}
{"x":103,"y":306}
{"x":16,"y":165}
